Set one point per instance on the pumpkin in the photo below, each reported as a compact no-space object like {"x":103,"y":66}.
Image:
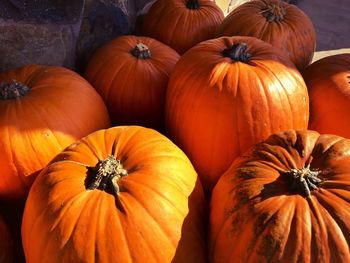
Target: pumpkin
{"x":181,"y":24}
{"x":328,"y":82}
{"x":6,"y":242}
{"x":125,"y":194}
{"x":227,"y":94}
{"x":283,"y":25}
{"x":131,"y":74}
{"x":287,"y":199}
{"x":43,"y":109}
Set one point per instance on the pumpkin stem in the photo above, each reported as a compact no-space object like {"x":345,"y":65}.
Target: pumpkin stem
{"x":303,"y":181}
{"x":193,"y":4}
{"x":141,"y":51}
{"x":12,"y":90}
{"x":106,"y":175}
{"x":237,"y":52}
{"x":274,"y":12}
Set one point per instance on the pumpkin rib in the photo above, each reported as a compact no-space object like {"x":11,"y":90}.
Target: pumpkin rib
{"x":130,"y":180}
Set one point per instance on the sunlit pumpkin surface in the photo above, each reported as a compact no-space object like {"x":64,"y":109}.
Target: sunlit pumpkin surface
{"x":56,"y":108}
{"x":217,"y":107}
{"x":328,"y":82}
{"x":285,"y":200}
{"x":157,"y":216}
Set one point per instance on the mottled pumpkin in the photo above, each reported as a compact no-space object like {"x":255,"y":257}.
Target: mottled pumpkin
{"x":283,"y":25}
{"x":287,"y":199}
{"x":131,"y":74}
{"x":43,"y":109}
{"x":227,"y":94}
{"x":181,"y":24}
{"x":328,"y":83}
{"x":125,"y":194}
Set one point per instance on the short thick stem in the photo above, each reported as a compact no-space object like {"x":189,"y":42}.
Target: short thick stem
{"x":106,"y":174}
{"x":12,"y":90}
{"x":274,"y":12}
{"x":303,"y":181}
{"x":141,"y":51}
{"x":193,"y":4}
{"x":238,"y":52}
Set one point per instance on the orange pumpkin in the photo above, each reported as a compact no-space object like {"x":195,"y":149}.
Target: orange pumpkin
{"x":283,"y":25}
{"x":43,"y":109}
{"x":6,"y":243}
{"x":125,"y":194}
{"x":181,"y":24}
{"x":131,"y":74}
{"x":285,"y":200}
{"x":328,"y":82}
{"x":227,"y":94}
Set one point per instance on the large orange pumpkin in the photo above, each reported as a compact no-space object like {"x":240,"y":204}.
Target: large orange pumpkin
{"x":131,"y":74}
{"x":285,"y":200}
{"x":6,"y":242}
{"x":181,"y":24}
{"x":283,"y":25}
{"x":43,"y":109}
{"x":228,"y":93}
{"x":328,"y":82}
{"x":125,"y":194}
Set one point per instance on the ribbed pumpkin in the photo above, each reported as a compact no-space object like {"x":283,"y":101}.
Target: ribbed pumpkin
{"x":227,"y":94}
{"x":181,"y":24}
{"x":285,"y":200}
{"x":43,"y":109}
{"x":131,"y":73}
{"x":125,"y":194}
{"x":6,"y":242}
{"x":328,"y":82}
{"x":283,"y":25}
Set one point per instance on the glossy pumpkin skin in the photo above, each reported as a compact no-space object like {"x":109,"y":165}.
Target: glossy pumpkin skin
{"x":255,"y":217}
{"x":59,"y":108}
{"x":289,"y":28}
{"x":217,"y":107}
{"x":328,"y":82}
{"x":6,"y":242}
{"x":132,"y":87}
{"x":181,"y":27}
{"x":156,"y":217}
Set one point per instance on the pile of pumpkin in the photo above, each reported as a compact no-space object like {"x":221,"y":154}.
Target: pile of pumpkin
{"x":205,"y":139}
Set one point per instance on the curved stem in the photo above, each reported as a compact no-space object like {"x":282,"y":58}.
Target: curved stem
{"x":106,"y":174}
{"x":193,"y":4}
{"x":141,"y":51}
{"x":12,"y":90}
{"x":238,"y":52}
{"x":303,"y":181}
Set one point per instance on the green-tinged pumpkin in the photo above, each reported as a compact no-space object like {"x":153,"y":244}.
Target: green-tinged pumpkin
{"x":181,"y":24}
{"x":283,"y":25}
{"x":125,"y":194}
{"x":43,"y":109}
{"x":287,"y":199}
{"x":131,"y":74}
{"x":227,"y":94}
{"x":328,"y":83}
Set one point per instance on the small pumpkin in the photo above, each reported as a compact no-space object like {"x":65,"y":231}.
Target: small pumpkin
{"x":328,"y":82}
{"x":43,"y":109}
{"x":6,"y":242}
{"x":283,"y":25}
{"x":131,"y":74}
{"x":287,"y":199}
{"x":125,"y":194}
{"x":181,"y":24}
{"x":227,"y":94}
